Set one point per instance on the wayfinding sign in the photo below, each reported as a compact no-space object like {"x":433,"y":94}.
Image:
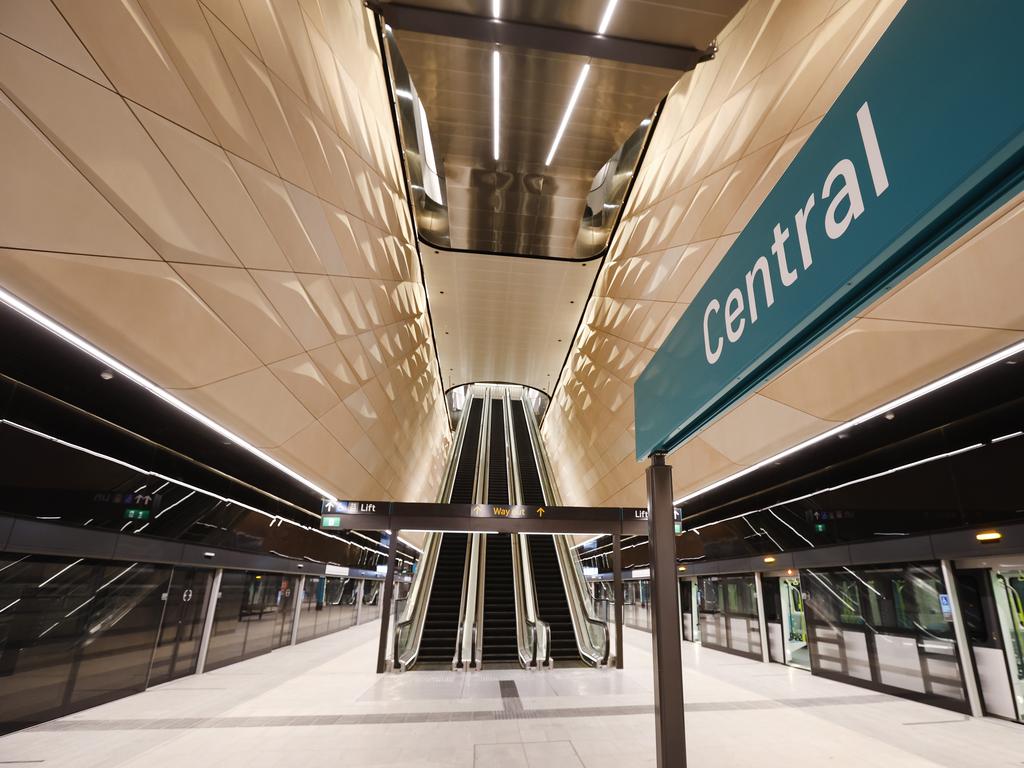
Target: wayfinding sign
{"x":925,"y":140}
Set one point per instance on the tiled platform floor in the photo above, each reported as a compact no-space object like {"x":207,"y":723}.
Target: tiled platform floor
{"x":319,"y":704}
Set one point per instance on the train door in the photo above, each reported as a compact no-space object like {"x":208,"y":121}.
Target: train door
{"x":794,"y":629}
{"x":1008,"y":587}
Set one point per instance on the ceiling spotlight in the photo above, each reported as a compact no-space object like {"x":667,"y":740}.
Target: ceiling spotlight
{"x":106,"y":374}
{"x":890,"y":416}
{"x":769,"y":559}
{"x":988,"y":536}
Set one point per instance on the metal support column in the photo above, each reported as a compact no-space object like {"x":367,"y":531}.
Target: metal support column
{"x":385,"y":606}
{"x":211,"y":609}
{"x":300,"y":591}
{"x":963,"y":647}
{"x":668,"y":657}
{"x":763,"y":632}
{"x":617,"y":568}
{"x":359,"y":601}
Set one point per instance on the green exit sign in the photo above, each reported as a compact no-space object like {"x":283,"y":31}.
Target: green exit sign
{"x":330,"y":521}
{"x":134,"y":513}
{"x":819,"y":527}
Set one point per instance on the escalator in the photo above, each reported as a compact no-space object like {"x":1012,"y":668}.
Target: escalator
{"x":529,"y":477}
{"x":441,"y":624}
{"x":499,"y":641}
{"x":497,"y":466}
{"x":465,"y":470}
{"x":499,"y":636}
{"x":552,"y":604}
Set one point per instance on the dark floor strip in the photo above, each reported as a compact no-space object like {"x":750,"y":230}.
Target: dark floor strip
{"x":510,"y":712}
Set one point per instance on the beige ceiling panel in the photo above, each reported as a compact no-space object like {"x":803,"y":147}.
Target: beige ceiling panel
{"x":264,"y":105}
{"x":340,"y":422}
{"x":290,"y":299}
{"x":209,"y":175}
{"x":969,"y":286}
{"x":320,"y":456}
{"x":146,"y":191}
{"x":123,"y":180}
{"x":304,"y":380}
{"x":184,"y":32}
{"x":818,"y":55}
{"x":739,"y":443}
{"x":323,"y":295}
{"x":236,"y":298}
{"x":341,"y":191}
{"x":335,"y":369}
{"x":39,"y":26}
{"x":782,"y":153}
{"x":874,"y":361}
{"x":271,"y":198}
{"x":307,"y":141}
{"x":122,"y":305}
{"x":264,"y":411}
{"x":313,"y":219}
{"x":47,"y":205}
{"x":881,"y":15}
{"x":267,"y":19}
{"x":742,"y":176}
{"x":126,"y":46}
{"x":232,"y":16}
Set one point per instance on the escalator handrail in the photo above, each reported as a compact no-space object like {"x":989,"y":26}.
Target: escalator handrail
{"x":477,"y":648}
{"x":466,"y":570}
{"x":526,"y":611}
{"x":416,"y":604}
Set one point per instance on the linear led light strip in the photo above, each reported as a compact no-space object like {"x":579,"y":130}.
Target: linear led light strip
{"x":496,"y":91}
{"x":606,"y":19}
{"x":38,"y":317}
{"x":872,"y":414}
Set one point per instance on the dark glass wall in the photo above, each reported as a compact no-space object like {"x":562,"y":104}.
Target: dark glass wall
{"x":254,"y":615}
{"x":74,"y":633}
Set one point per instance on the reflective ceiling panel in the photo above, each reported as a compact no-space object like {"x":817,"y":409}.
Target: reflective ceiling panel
{"x":517,"y":204}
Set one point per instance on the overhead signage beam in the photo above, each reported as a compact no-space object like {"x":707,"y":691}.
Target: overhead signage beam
{"x":539,"y":37}
{"x":918,"y":148}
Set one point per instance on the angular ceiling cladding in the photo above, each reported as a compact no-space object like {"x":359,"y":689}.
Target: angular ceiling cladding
{"x":786,"y":63}
{"x":831,"y":236}
{"x":254,"y":255}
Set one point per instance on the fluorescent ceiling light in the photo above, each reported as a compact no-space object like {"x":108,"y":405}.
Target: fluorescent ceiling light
{"x":607,"y":18}
{"x":77,"y":341}
{"x":496,"y":93}
{"x":496,"y":8}
{"x":881,"y":410}
{"x":568,"y":111}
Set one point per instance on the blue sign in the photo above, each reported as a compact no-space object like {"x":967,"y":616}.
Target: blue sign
{"x":924,"y":141}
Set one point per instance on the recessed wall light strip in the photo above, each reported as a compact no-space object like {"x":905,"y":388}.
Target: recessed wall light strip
{"x":57,"y":329}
